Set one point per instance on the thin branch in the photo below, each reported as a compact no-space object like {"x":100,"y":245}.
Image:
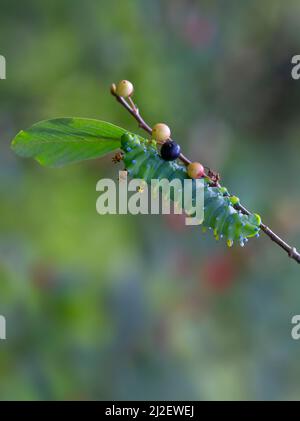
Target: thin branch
{"x":133,"y":110}
{"x":291,"y":251}
{"x":141,"y":122}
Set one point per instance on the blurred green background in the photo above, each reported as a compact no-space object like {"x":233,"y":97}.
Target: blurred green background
{"x":123,"y":307}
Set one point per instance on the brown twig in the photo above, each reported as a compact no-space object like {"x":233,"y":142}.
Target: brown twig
{"x":291,"y":251}
{"x":133,"y":110}
{"x":213,"y":177}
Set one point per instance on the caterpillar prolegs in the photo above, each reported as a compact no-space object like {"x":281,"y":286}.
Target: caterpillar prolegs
{"x":142,"y":160}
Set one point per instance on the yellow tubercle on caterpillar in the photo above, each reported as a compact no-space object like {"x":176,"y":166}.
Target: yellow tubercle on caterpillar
{"x":216,"y":234}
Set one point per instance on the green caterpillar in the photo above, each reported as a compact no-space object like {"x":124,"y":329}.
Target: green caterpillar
{"x":142,"y":160}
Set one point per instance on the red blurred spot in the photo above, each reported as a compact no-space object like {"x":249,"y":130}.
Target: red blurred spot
{"x":219,"y":272}
{"x":198,"y":31}
{"x":42,"y":275}
{"x":176,"y":222}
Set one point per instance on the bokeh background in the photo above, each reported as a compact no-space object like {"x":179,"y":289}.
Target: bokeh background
{"x":123,"y":307}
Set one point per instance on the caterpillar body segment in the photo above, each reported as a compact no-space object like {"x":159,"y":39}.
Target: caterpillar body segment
{"x":142,"y":160}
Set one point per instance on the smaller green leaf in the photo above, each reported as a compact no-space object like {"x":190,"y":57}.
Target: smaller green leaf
{"x":62,"y":141}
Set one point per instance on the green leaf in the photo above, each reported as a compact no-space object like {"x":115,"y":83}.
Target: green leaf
{"x":61,"y":141}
